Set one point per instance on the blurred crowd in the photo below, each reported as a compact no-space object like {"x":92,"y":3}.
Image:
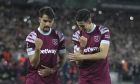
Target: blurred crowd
{"x":16,"y":23}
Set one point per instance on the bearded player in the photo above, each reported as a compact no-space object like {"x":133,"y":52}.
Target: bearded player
{"x":44,"y":45}
{"x":91,"y":48}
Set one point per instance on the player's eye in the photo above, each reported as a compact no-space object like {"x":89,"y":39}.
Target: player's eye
{"x":81,"y":26}
{"x":47,"y":21}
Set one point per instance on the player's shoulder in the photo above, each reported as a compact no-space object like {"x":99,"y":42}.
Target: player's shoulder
{"x":103,"y":29}
{"x":31,"y":36}
{"x":59,"y":34}
{"x":76,"y":35}
{"x":32,"y":33}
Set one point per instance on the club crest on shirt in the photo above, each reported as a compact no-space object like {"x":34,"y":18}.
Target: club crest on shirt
{"x":97,"y":38}
{"x":55,"y":41}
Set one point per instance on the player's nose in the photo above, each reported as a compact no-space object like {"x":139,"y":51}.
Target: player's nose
{"x":47,"y":24}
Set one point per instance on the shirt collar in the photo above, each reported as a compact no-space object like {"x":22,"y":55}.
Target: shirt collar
{"x":48,"y":33}
{"x":93,"y":28}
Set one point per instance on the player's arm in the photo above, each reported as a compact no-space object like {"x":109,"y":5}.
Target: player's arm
{"x":62,"y":54}
{"x":76,"y":48}
{"x":62,"y":50}
{"x":35,"y":57}
{"x":62,"y":59}
{"x":33,"y":48}
{"x":96,"y":56}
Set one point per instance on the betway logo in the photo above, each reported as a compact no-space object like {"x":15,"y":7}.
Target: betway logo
{"x":90,"y":49}
{"x":48,"y":51}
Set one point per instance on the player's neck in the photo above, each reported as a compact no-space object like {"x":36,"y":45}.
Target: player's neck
{"x":41,"y":31}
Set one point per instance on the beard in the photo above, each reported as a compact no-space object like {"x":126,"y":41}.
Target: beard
{"x":46,"y":29}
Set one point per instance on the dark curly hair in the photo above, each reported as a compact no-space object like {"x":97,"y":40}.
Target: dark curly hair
{"x":83,"y":15}
{"x":47,"y":11}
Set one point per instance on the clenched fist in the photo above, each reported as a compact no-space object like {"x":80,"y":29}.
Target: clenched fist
{"x":83,"y":41}
{"x":38,"y":43}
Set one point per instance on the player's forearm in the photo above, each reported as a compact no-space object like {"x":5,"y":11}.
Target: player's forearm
{"x":62,"y":60}
{"x":35,"y":59}
{"x":95,"y":56}
{"x":99,"y":55}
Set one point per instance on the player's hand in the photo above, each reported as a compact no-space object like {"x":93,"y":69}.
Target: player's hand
{"x":38,"y":43}
{"x":46,"y":71}
{"x":75,"y":56}
{"x":83,"y":41}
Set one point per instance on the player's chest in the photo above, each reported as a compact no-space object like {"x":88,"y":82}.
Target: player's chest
{"x":93,"y":43}
{"x":93,"y":40}
{"x":49,"y":42}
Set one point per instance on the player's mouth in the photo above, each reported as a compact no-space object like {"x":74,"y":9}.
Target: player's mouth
{"x":46,"y":29}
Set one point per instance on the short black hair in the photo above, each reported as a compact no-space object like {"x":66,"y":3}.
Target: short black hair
{"x":83,"y":15}
{"x":47,"y":11}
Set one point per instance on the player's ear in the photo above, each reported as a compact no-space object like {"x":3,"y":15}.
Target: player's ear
{"x":89,"y":20}
{"x":39,"y":19}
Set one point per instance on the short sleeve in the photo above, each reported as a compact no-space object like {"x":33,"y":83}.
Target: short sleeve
{"x":61,"y":48}
{"x":105,"y":35}
{"x":75,"y":39}
{"x":30,"y":40}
